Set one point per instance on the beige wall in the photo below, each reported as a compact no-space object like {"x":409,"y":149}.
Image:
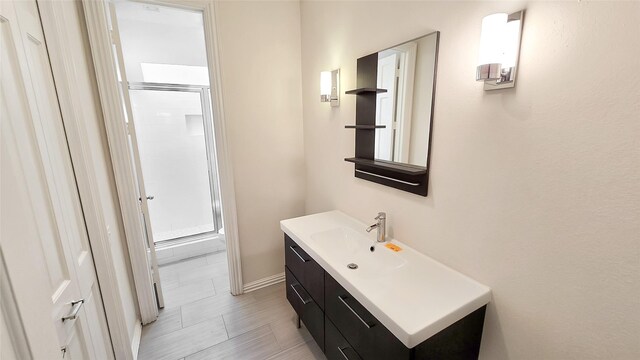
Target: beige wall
{"x":533,"y":191}
{"x":86,"y":88}
{"x":260,"y":61}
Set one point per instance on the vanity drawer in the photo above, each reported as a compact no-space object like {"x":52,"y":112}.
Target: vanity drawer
{"x":370,"y":339}
{"x":306,"y":308}
{"x":305,"y":269}
{"x":335,"y":346}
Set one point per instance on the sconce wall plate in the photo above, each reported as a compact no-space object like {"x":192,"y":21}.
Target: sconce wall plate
{"x":330,"y":87}
{"x":500,"y":42}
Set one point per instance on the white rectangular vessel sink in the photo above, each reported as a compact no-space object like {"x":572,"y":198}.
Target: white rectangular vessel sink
{"x":347,"y":246}
{"x":414,"y":296}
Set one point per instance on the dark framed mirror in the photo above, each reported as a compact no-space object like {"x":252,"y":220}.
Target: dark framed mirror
{"x":394,"y":114}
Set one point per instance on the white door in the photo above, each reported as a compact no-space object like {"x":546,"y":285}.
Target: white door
{"x":404,"y":100}
{"x":44,"y":238}
{"x":386,"y":107}
{"x":133,"y":150}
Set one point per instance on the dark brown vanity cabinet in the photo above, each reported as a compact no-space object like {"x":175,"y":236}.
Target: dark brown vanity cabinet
{"x":345,"y":329}
{"x":306,"y":270}
{"x":369,"y":338}
{"x":305,"y":288}
{"x":306,"y":308}
{"x":336,"y":346}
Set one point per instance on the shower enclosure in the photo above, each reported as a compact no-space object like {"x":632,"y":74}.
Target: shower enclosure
{"x":177,"y":156}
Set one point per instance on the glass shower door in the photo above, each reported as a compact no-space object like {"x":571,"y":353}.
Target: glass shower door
{"x":176,"y":159}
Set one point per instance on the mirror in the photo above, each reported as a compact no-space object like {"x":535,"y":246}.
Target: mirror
{"x":407,"y":73}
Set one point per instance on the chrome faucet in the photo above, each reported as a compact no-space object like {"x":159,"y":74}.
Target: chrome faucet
{"x":381,"y":225}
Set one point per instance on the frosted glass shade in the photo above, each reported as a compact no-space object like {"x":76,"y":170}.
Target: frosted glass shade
{"x":491,"y":39}
{"x":325,"y":83}
{"x":511,"y":43}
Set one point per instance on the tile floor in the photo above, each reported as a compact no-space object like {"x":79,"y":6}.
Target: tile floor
{"x":202,"y":320}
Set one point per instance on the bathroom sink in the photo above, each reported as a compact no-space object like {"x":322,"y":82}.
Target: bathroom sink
{"x":343,"y":246}
{"x":413,"y":295}
{"x":344,"y":241}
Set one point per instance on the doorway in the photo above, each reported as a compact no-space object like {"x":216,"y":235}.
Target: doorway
{"x":164,"y":78}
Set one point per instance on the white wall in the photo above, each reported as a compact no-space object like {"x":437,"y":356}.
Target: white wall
{"x":87,"y":89}
{"x":260,"y":60}
{"x":533,"y":191}
{"x":163,"y":35}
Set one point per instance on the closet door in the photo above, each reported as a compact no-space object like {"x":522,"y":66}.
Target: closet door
{"x":44,"y":239}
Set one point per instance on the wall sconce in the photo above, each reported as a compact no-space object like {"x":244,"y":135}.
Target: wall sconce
{"x":499,"y":50}
{"x":330,"y":87}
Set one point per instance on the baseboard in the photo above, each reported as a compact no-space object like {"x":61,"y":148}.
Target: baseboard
{"x":135,"y":342}
{"x":264,"y":282}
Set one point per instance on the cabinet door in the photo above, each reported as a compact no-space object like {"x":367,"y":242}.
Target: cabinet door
{"x":304,"y":305}
{"x":460,"y":341}
{"x":336,"y":347}
{"x":305,"y":269}
{"x":370,"y":339}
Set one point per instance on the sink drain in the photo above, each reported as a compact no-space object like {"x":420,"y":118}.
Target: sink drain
{"x":352,"y":266}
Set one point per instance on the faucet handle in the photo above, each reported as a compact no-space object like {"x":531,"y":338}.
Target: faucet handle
{"x":381,"y":216}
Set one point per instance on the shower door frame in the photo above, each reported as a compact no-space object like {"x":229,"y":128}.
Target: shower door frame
{"x":209,"y":140}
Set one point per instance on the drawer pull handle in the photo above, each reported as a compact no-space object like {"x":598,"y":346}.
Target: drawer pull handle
{"x":354,"y":312}
{"x":342,"y":352}
{"x":297,"y":253}
{"x":304,"y":302}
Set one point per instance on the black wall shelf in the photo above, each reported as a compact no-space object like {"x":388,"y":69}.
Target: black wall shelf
{"x":365,"y":91}
{"x":407,"y":169}
{"x":365,"y":127}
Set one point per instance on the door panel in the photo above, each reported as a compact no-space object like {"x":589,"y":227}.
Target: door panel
{"x":13,"y":94}
{"x":49,"y":134}
{"x":34,"y":134}
{"x":386,"y":107}
{"x":51,"y":247}
{"x":173,"y":155}
{"x":49,"y":130}
{"x":75,"y":349}
{"x":133,"y":145}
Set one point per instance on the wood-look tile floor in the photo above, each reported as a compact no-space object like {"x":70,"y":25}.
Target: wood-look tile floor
{"x":202,"y":320}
